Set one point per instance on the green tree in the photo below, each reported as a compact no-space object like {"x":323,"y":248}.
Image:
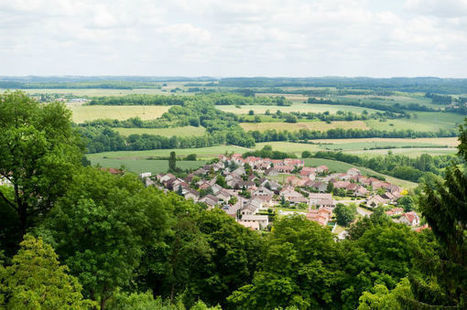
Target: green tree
{"x":36,"y":280}
{"x":306,"y":154}
{"x":39,"y":153}
{"x":345,"y":214}
{"x":172,"y":162}
{"x":101,"y":227}
{"x":220,"y":180}
{"x":383,"y":299}
{"x":251,"y":112}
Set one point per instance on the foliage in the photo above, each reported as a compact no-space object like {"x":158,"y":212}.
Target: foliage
{"x":345,"y":214}
{"x":39,"y":152}
{"x":36,"y":280}
{"x":383,"y":299}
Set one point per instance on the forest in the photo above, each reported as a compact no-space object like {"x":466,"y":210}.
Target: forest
{"x":76,"y":237}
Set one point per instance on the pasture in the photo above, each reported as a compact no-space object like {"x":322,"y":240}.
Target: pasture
{"x":421,"y":121}
{"x":144,"y":165}
{"x":299,"y":107}
{"x":186,"y":131}
{"x":202,"y":153}
{"x":82,"y":113}
{"x":317,"y":125}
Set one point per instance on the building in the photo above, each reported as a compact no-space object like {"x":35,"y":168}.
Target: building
{"x":321,"y":200}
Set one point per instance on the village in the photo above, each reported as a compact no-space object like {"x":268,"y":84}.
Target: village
{"x":251,"y":189}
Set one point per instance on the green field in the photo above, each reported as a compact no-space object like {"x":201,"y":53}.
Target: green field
{"x":203,"y":153}
{"x":83,"y":113}
{"x":144,"y":165}
{"x":298,"y":107}
{"x":187,"y":131}
{"x":410,"y":152}
{"x":424,"y":121}
{"x":339,"y":166}
{"x":317,"y":125}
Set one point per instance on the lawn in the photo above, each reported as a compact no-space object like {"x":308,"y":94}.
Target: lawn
{"x":359,"y":143}
{"x":289,"y":147}
{"x":298,"y":107}
{"x":83,"y":113}
{"x":187,"y":131}
{"x":410,"y":152}
{"x":203,"y":153}
{"x":144,"y":165}
{"x":318,"y":125}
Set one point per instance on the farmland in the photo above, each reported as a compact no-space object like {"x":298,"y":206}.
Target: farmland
{"x":297,"y":107}
{"x":144,"y":165}
{"x":186,"y":131}
{"x":317,"y":125}
{"x":423,"y":121}
{"x":82,"y":113}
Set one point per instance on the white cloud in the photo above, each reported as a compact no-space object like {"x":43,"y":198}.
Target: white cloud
{"x":233,"y":37}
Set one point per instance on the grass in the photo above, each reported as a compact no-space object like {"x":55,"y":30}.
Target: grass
{"x":83,"y":113}
{"x":298,"y":107}
{"x":203,"y":153}
{"x":318,"y":125}
{"x":339,"y":166}
{"x":410,"y":152}
{"x":143,"y":165}
{"x":451,"y":142}
{"x":289,"y":147}
{"x":423,"y":121}
{"x":187,"y":131}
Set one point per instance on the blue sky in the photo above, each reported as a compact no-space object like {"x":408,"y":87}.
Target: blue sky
{"x":234,"y":38}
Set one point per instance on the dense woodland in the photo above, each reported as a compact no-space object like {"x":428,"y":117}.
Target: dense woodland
{"x":74,"y":237}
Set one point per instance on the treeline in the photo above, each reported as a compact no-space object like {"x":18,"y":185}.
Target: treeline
{"x":399,"y":166}
{"x":267,"y":152}
{"x":339,"y":133}
{"x":395,"y":108}
{"x":211,"y":98}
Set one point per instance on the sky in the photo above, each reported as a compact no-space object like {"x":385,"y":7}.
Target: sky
{"x":222,"y":38}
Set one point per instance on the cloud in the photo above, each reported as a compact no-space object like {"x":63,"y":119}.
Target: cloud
{"x":234,"y":37}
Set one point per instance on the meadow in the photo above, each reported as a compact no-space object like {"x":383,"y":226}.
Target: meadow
{"x":421,"y":121}
{"x":144,"y":165}
{"x":202,"y":153}
{"x":82,"y":113}
{"x":316,"y":125}
{"x":186,"y":131}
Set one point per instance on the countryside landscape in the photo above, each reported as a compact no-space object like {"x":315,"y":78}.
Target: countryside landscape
{"x":199,"y":155}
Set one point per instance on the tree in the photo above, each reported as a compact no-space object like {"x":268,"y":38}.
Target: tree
{"x":406,"y":202}
{"x":101,"y":227}
{"x":345,"y":214}
{"x":306,"y":154}
{"x":330,"y":187}
{"x":251,"y":112}
{"x":172,"y":162}
{"x":383,"y":299}
{"x":39,"y":153}
{"x":36,"y":280}
{"x":220,"y":180}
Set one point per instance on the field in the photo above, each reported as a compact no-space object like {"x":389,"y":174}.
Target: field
{"x":409,"y":147}
{"x":318,"y":125}
{"x":424,"y":121}
{"x":187,"y":131}
{"x":203,"y":153}
{"x":83,"y":113}
{"x":142,"y":165}
{"x":299,"y":107}
{"x":338,"y":166}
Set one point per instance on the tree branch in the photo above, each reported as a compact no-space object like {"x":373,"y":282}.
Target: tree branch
{"x":8,"y":201}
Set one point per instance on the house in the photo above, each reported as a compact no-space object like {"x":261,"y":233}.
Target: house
{"x":216,"y":188}
{"x":223,"y":195}
{"x":321,"y":200}
{"x":395,"y":211}
{"x":361,"y":191}
{"x":375,"y":201}
{"x":292,"y":196}
{"x":210,"y":200}
{"x":254,"y":221}
{"x":308,"y":172}
{"x":322,"y":169}
{"x":145,"y":175}
{"x":341,"y":184}
{"x":250,"y":206}
{"x":353,"y":172}
{"x":191,"y":194}
{"x":321,"y":215}
{"x":294,"y":181}
{"x":239,"y":171}
{"x":273,"y":185}
{"x":271,"y":172}
{"x":410,"y":218}
{"x":319,"y":186}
